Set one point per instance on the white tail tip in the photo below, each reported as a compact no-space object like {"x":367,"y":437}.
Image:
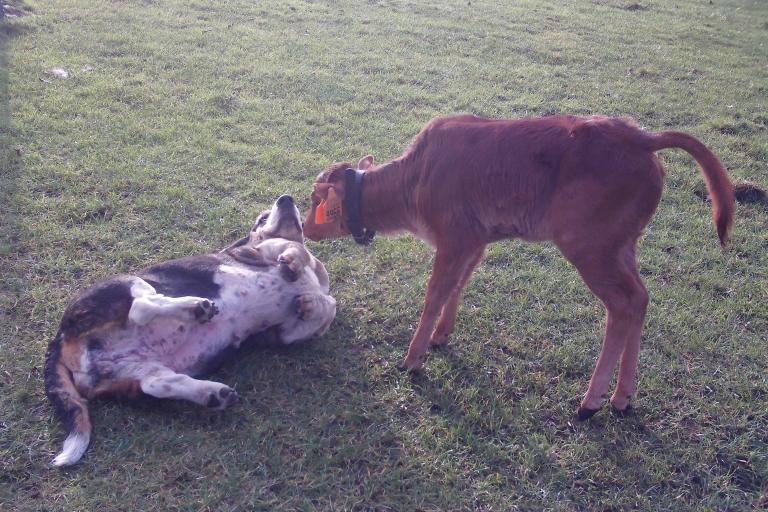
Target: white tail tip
{"x":74,"y":448}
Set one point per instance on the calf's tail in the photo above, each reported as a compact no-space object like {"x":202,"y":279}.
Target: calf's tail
{"x":718,"y":185}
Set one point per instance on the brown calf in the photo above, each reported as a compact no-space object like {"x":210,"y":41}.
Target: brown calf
{"x":590,"y":185}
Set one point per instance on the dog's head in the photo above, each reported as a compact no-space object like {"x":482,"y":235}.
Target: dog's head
{"x":326,"y":217}
{"x":283,"y":220}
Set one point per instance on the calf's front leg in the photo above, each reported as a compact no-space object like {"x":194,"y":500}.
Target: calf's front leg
{"x":447,"y":319}
{"x":451,"y":264}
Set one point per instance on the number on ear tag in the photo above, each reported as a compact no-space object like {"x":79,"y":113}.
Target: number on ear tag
{"x":329,"y":209}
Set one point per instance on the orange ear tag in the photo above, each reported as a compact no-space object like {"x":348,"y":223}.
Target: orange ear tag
{"x":329,"y":209}
{"x":320,"y":216}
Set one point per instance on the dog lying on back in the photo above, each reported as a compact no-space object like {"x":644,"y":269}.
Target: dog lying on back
{"x":156,"y":331}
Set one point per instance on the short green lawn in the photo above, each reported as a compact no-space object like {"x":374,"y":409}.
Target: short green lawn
{"x":181,"y":120}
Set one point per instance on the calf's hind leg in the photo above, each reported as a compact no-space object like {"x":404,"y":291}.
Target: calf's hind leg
{"x":613,"y":277}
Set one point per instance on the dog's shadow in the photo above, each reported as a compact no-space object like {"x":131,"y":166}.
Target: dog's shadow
{"x":277,"y":384}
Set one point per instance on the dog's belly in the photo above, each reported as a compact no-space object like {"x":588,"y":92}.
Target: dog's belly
{"x":249,"y":301}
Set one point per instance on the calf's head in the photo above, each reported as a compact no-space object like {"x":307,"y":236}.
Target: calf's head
{"x":326,"y":217}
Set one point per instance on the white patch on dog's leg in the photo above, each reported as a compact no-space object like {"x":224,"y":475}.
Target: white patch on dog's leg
{"x":141,"y":288}
{"x":162,"y":382}
{"x":73,"y":449}
{"x":145,"y":308}
{"x":142,"y":311}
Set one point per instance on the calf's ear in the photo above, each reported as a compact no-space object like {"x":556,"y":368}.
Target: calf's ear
{"x":329,"y":210}
{"x":365,"y":163}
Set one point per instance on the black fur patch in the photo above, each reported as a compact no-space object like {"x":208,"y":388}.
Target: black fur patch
{"x":95,"y":348}
{"x":106,"y":301}
{"x":191,"y":276}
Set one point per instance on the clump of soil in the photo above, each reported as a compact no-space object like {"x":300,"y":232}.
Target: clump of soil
{"x":745,"y":192}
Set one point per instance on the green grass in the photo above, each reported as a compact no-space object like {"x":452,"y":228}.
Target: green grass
{"x":182,"y":120}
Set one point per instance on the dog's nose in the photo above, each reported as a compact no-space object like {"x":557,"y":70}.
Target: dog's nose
{"x":284,"y":200}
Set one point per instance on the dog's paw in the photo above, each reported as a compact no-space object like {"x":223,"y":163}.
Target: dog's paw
{"x":221,"y":399}
{"x":290,"y":267}
{"x":205,"y":310}
{"x":304,"y":306}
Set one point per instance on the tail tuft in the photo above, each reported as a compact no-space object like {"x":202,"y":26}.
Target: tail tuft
{"x":74,"y":448}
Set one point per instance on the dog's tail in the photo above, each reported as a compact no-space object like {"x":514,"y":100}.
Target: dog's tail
{"x":70,"y":405}
{"x":719,"y":186}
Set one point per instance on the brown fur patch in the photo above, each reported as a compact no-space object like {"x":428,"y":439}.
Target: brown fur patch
{"x":127,"y":388}
{"x":71,"y":353}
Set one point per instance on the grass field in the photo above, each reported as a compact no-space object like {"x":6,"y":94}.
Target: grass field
{"x":181,"y":120}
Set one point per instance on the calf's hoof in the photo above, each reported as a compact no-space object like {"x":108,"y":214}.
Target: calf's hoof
{"x":584,"y":413}
{"x":622,"y":413}
{"x":439,"y":340}
{"x":412,"y":364}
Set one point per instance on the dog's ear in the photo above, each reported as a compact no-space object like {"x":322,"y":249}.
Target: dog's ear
{"x":365,"y":163}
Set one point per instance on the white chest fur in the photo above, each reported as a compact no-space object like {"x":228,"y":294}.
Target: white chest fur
{"x":250,"y":301}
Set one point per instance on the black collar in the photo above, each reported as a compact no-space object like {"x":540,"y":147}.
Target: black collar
{"x":353,"y":186}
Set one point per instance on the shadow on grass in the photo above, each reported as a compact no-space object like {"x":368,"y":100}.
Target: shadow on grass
{"x":10,"y":156}
{"x":609,"y":439}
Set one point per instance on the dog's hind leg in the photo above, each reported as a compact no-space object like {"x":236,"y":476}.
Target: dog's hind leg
{"x":162,"y":382}
{"x":148,"y":304}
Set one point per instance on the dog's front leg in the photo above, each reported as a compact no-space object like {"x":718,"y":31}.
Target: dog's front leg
{"x":292,"y":262}
{"x":314,"y":314}
{"x":447,"y":273}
